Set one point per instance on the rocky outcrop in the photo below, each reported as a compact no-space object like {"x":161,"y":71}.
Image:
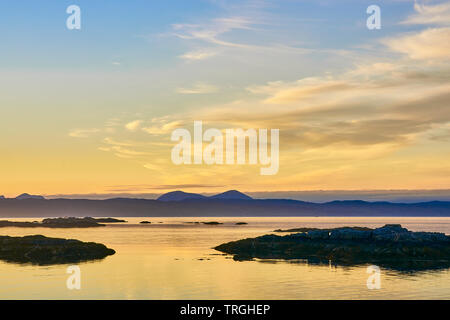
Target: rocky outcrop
{"x":61,"y":223}
{"x":71,"y":223}
{"x":41,"y":250}
{"x":107,"y":220}
{"x":391,"y":246}
{"x":312,"y":229}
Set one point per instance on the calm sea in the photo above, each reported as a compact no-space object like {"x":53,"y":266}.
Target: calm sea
{"x":171,"y":259}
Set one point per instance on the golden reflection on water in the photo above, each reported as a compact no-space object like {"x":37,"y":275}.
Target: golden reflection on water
{"x":174,"y":260}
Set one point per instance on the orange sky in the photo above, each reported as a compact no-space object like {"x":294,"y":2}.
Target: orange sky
{"x":368,"y":115}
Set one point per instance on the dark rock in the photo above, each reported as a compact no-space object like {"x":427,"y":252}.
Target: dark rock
{"x":145,"y":222}
{"x":240,"y":223}
{"x":296,"y":230}
{"x":54,"y":223}
{"x":314,"y":229}
{"x":41,"y":250}
{"x":319,"y":234}
{"x":71,"y":222}
{"x":212,"y":223}
{"x":395,"y":232}
{"x":390,"y":246}
{"x":109,"y":220}
{"x":349,"y":234}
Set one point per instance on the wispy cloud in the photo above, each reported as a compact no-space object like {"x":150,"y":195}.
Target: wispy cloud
{"x":198,"y":88}
{"x":113,"y":142}
{"x":199,"y":55}
{"x":83,"y":133}
{"x":211,"y":32}
{"x":133,"y":125}
{"x":162,"y":125}
{"x":337,"y":128}
{"x":438,"y":14}
{"x":144,"y":187}
{"x":428,"y":44}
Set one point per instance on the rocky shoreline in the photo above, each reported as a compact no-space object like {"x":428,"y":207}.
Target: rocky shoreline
{"x":41,"y":250}
{"x":391,"y":246}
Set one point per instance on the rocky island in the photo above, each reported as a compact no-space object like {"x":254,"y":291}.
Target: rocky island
{"x":42,"y":250}
{"x":390,"y":246}
{"x":70,"y":222}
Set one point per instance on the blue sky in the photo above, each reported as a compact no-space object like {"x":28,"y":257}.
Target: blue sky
{"x":138,"y":32}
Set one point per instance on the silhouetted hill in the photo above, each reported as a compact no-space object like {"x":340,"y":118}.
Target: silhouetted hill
{"x":207,"y":207}
{"x":26,"y":196}
{"x":231,"y":195}
{"x":179,"y":196}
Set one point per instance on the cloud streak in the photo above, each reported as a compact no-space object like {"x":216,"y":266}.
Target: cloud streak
{"x":438,"y":14}
{"x":198,"y":88}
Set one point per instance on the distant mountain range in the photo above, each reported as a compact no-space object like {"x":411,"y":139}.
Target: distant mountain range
{"x":26,"y":196}
{"x":181,"y":196}
{"x":231,"y":203}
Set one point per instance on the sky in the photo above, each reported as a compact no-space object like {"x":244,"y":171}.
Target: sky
{"x":91,"y":111}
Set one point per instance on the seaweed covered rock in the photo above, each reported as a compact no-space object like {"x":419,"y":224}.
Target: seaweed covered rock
{"x":42,"y":250}
{"x":391,"y":245}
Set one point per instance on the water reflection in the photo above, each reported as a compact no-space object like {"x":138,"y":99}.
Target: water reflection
{"x":162,"y":262}
{"x":407,"y":268}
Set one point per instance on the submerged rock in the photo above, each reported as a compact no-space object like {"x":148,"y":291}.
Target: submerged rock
{"x":390,"y":246}
{"x":145,"y":222}
{"x":41,"y":250}
{"x":108,"y":220}
{"x":212,"y":223}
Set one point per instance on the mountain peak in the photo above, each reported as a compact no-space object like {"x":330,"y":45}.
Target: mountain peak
{"x":179,"y":196}
{"x":232,"y":195}
{"x":25,"y":196}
